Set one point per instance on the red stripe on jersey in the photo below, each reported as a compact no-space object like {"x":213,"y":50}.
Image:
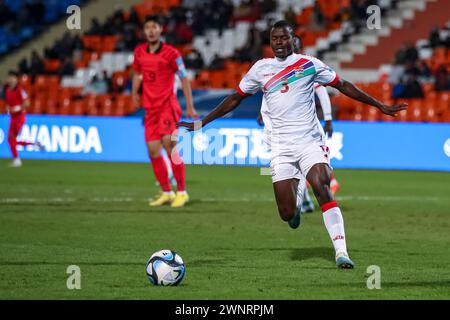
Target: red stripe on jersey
{"x":329,"y":205}
{"x":242,"y":93}
{"x":285,"y":71}
{"x":334,"y":82}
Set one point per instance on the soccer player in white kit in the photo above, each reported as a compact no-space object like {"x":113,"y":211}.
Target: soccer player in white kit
{"x":304,"y":201}
{"x":296,"y":137}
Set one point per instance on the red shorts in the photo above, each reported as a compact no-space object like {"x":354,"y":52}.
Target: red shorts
{"x":162,"y":120}
{"x":16,"y":123}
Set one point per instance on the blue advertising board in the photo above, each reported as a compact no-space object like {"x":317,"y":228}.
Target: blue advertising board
{"x":390,"y":145}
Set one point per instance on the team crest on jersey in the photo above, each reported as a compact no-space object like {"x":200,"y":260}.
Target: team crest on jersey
{"x":299,"y":72}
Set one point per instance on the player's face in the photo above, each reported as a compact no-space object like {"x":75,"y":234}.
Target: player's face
{"x":12,"y":80}
{"x":281,"y":42}
{"x":152,"y":31}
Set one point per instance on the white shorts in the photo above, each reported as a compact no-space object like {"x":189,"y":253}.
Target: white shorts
{"x":296,"y":168}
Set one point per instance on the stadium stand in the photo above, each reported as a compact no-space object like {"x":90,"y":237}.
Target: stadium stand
{"x":20,"y":20}
{"x":90,"y":74}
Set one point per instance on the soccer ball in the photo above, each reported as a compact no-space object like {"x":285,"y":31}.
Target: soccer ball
{"x":165,"y":268}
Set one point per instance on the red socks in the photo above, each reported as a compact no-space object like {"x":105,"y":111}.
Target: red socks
{"x":160,"y":170}
{"x":12,"y":145}
{"x":179,"y":171}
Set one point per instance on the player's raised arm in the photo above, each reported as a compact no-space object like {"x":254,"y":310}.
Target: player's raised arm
{"x":187,"y":91}
{"x":249,"y":85}
{"x":227,"y":105}
{"x":352,"y":91}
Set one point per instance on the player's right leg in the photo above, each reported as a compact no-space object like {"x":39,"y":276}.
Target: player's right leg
{"x":160,"y":170}
{"x":285,"y":179}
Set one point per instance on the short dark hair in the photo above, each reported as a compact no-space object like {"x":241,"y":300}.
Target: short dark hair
{"x":13,"y":73}
{"x":153,"y":18}
{"x":283,"y":24}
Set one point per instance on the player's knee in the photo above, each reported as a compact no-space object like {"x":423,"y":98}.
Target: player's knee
{"x":154,"y":153}
{"x":286,"y":212}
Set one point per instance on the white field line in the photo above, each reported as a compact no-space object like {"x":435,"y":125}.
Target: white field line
{"x":206,"y":199}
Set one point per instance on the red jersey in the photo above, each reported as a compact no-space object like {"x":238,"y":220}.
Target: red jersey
{"x":14,"y":98}
{"x":158,"y":70}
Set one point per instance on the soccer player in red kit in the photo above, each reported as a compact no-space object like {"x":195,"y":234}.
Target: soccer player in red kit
{"x":16,"y":103}
{"x":155,"y":65}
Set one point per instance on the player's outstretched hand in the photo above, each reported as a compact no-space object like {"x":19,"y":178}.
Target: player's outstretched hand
{"x":393,"y":110}
{"x":192,"y":113}
{"x":190,"y":126}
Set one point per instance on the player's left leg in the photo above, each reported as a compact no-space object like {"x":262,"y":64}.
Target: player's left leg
{"x":179,"y":171}
{"x":306,"y":202}
{"x":319,"y":177}
{"x":15,"y":125}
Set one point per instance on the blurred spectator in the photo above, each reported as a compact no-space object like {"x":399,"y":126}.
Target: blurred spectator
{"x":194,"y":60}
{"x":317,"y":22}
{"x":67,"y":68}
{"x":442,"y":82}
{"x":96,"y":28}
{"x":290,"y":16}
{"x":96,"y":86}
{"x":248,"y":10}
{"x":413,"y":88}
{"x":424,"y":71}
{"x":406,"y":54}
{"x":23,"y":66}
{"x":37,"y":64}
{"x":217,"y":63}
{"x":268,"y":6}
{"x":252,"y":50}
{"x":434,"y":38}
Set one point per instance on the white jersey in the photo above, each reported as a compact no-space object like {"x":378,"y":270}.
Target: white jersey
{"x":290,"y":113}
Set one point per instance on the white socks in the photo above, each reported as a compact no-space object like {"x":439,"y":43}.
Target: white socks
{"x":300,"y":191}
{"x":334,"y":222}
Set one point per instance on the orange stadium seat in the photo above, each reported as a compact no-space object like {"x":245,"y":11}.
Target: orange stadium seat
{"x":36,"y":106}
{"x":415,"y":110}
{"x":78,"y":107}
{"x":51,"y":107}
{"x":104,"y":101}
{"x":92,"y":42}
{"x":51,"y":65}
{"x":124,"y":104}
{"x":118,"y":79}
{"x":108,"y":43}
{"x":372,"y":114}
{"x":65,"y":106}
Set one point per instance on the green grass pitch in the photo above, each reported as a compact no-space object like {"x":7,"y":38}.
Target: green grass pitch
{"x":95,"y":215}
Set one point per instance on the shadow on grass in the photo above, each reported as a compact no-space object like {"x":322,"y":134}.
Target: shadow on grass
{"x":408,"y":284}
{"x":301,"y":254}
